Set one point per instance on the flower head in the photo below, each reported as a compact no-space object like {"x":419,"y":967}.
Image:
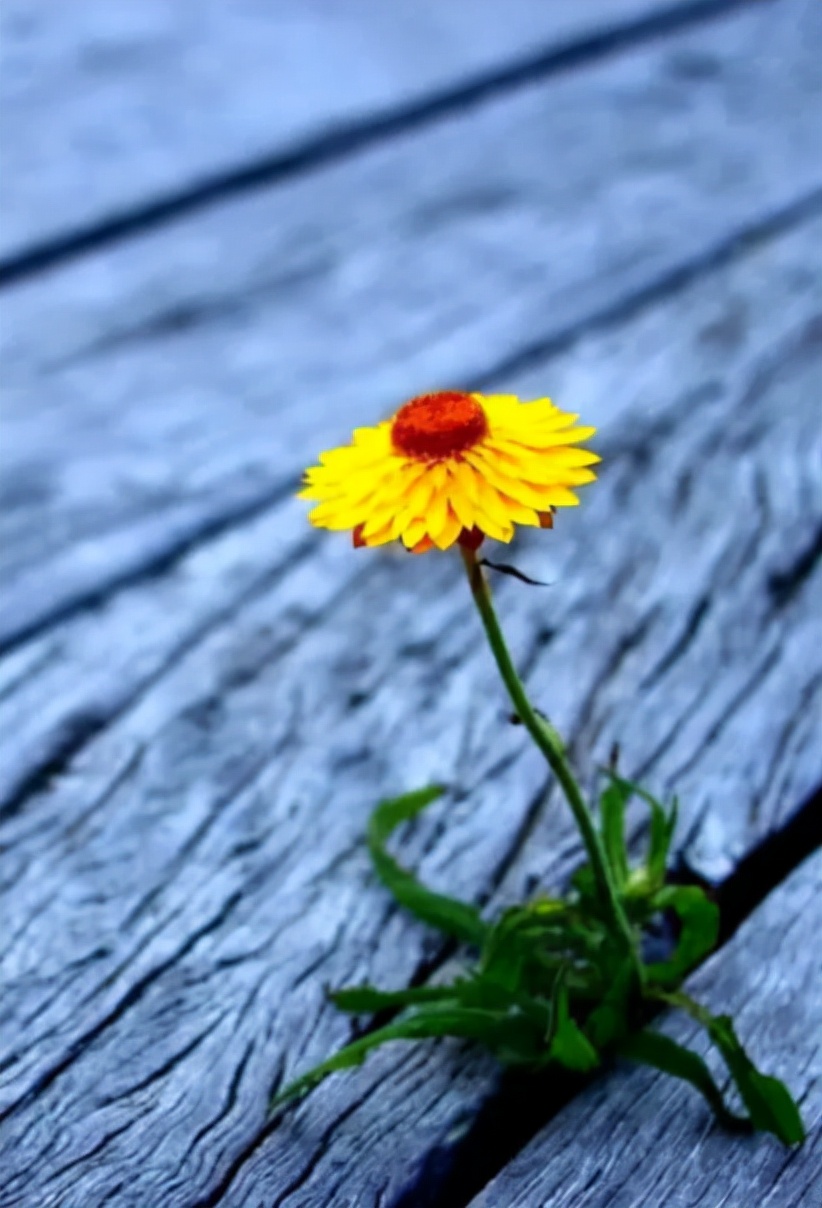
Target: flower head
{"x":452,"y":467}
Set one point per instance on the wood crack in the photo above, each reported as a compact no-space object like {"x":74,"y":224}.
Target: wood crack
{"x":719,"y":255}
{"x":348,"y":139}
{"x":151,"y":555}
{"x":523,"y":1105}
{"x":348,"y":698}
{"x":79,"y":729}
{"x":784,"y":584}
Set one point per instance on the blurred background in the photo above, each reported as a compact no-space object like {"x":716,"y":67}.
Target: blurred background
{"x":230,"y":232}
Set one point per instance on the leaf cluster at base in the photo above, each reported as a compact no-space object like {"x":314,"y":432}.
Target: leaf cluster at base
{"x":553,"y":985}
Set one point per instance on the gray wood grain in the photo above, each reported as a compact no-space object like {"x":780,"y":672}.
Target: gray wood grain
{"x":212,"y":697}
{"x":637,"y":1139}
{"x":106,"y":105}
{"x":158,"y":392}
{"x":177,"y":895}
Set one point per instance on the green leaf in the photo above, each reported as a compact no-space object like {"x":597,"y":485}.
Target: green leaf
{"x":503,"y":954}
{"x":570,"y":1046}
{"x":454,"y":918}
{"x":352,"y":1055}
{"x":612,"y":804}
{"x":527,"y":946}
{"x":699,"y":917}
{"x":512,"y":1038}
{"x":770,"y":1104}
{"x":513,"y":941}
{"x":584,"y":882}
{"x":478,"y":991}
{"x":489,"y":995}
{"x":663,"y":824}
{"x":608,"y":1021}
{"x":547,"y":908}
{"x":659,"y":1051}
{"x":367,"y":1000}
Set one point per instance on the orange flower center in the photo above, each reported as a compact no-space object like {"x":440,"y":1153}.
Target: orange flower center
{"x":439,"y":425}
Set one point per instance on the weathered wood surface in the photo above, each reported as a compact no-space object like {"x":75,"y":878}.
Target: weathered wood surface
{"x":111,"y":109}
{"x":643,"y":1140}
{"x":191,"y":744}
{"x":180,"y":894}
{"x":184,"y":377}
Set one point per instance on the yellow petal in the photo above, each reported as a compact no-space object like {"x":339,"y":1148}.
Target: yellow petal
{"x":561,"y":497}
{"x":378,"y":519}
{"x":414,"y":533}
{"x":464,"y":480}
{"x":449,"y":531}
{"x":380,"y":537}
{"x":518,"y":512}
{"x":437,"y":513}
{"x":462,"y":506}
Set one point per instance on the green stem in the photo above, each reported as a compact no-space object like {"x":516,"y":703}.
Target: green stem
{"x":550,"y":744}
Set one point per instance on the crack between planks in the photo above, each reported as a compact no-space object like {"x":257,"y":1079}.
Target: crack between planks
{"x":725,"y":251}
{"x":784,"y":584}
{"x":130,"y":573}
{"x":748,"y":889}
{"x":143,"y":565}
{"x":345,"y":139}
{"x":522,"y":1106}
{"x":80,"y":728}
{"x":502,"y":1115}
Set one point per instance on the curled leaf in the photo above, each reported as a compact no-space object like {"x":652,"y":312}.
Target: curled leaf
{"x":449,"y":915}
{"x":513,"y":1038}
{"x":662,"y":1053}
{"x":570,"y":1046}
{"x":770,"y":1104}
{"x":699,"y":917}
{"x":663,"y":824}
{"x":612,"y":804}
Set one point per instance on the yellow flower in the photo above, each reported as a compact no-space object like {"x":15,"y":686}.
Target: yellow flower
{"x":452,"y":467}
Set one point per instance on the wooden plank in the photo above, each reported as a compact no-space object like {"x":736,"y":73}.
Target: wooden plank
{"x":176,"y":898}
{"x":109,"y":107}
{"x":636,"y":1138}
{"x":160,"y":391}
